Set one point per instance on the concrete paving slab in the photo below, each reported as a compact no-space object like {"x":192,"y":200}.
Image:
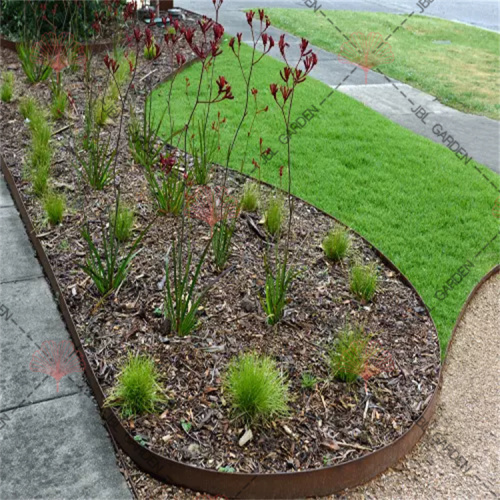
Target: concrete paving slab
{"x":17,"y":256}
{"x":5,"y":198}
{"x":58,"y":449}
{"x":29,"y":317}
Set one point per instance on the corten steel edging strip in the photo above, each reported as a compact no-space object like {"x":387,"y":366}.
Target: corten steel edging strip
{"x":317,"y":482}
{"x":94,"y":47}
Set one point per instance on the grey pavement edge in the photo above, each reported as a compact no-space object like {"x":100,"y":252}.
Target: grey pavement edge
{"x":53,"y":443}
{"x":477,"y":135}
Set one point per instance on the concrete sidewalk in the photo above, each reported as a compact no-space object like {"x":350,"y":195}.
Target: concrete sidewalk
{"x":477,"y":135}
{"x":52,"y":444}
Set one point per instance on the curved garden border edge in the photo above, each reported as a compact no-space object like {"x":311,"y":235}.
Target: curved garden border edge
{"x":316,"y":482}
{"x":96,"y":47}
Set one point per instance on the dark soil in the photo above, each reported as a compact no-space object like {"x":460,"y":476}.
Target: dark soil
{"x":330,"y":424}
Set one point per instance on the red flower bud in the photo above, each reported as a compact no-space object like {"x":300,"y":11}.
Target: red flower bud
{"x":250,"y":15}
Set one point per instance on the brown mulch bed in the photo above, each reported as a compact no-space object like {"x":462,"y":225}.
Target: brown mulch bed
{"x":331,"y":424}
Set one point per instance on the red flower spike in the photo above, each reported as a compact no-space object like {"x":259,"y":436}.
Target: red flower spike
{"x":157,"y":51}
{"x":238,"y":36}
{"x":137,"y":35}
{"x":218,"y":31}
{"x":261,"y":14}
{"x":282,"y":44}
{"x":231,"y":43}
{"x":281,"y":170}
{"x":181,"y":59}
{"x":274,"y":89}
{"x":250,"y":15}
{"x":285,"y":74}
{"x":188,"y":35}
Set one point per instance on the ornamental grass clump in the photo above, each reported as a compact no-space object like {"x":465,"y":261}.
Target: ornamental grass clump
{"x":137,"y":390}
{"x":349,"y":354}
{"x":54,"y":205}
{"x":273,"y":218}
{"x":123,"y":221}
{"x":336,"y":244}
{"x":250,"y":197}
{"x":58,"y":105}
{"x":256,"y":389}
{"x":7,"y":88}
{"x":363,"y":281}
{"x":27,"y":107}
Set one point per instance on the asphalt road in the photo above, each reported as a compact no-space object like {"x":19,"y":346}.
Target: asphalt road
{"x":481,"y":13}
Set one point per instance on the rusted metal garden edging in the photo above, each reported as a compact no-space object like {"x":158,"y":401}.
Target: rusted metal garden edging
{"x":95,"y":48}
{"x":317,"y":482}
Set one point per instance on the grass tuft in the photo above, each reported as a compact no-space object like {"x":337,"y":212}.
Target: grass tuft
{"x":123,"y":221}
{"x":250,"y":197}
{"x":363,"y":281}
{"x":27,"y":107}
{"x":349,"y":354}
{"x":256,"y":389}
{"x":7,"y":88}
{"x":137,"y":391}
{"x":273,"y":217}
{"x":336,"y":244}
{"x":54,"y":205}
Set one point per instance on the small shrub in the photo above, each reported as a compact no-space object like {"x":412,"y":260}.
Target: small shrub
{"x":54,"y":206}
{"x":7,"y":89}
{"x":309,"y":381}
{"x":273,"y":217}
{"x":96,"y":164}
{"x":336,"y":244}
{"x":349,"y":354}
{"x":27,"y":107}
{"x":363,"y":281}
{"x":59,"y":105}
{"x":255,"y":388}
{"x":123,"y":221}
{"x":250,"y":197}
{"x":137,"y":390}
{"x":276,"y":289}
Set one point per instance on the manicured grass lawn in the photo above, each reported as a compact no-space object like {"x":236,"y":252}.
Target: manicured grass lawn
{"x":463,"y":74}
{"x":412,"y":198}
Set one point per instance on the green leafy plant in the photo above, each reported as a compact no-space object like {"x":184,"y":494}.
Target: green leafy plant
{"x":7,"y":88}
{"x":255,"y":388}
{"x":34,"y":66}
{"x":363,"y":281}
{"x":336,"y":244}
{"x":103,"y":108}
{"x":54,"y":205}
{"x":308,"y":381}
{"x":59,"y":105}
{"x":203,"y":154}
{"x":40,"y":152}
{"x":108,"y":266}
{"x":150,"y":52}
{"x":181,"y":300}
{"x":167,"y":186}
{"x":221,"y":242}
{"x":95,"y":165}
{"x":349,"y":354}
{"x":123,"y":221}
{"x":27,"y":107}
{"x":137,"y":390}
{"x":273,"y":217}
{"x":250,"y":197}
{"x":276,"y":289}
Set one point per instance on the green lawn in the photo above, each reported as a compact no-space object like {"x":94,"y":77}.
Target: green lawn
{"x":464,"y":74}
{"x":412,"y":198}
